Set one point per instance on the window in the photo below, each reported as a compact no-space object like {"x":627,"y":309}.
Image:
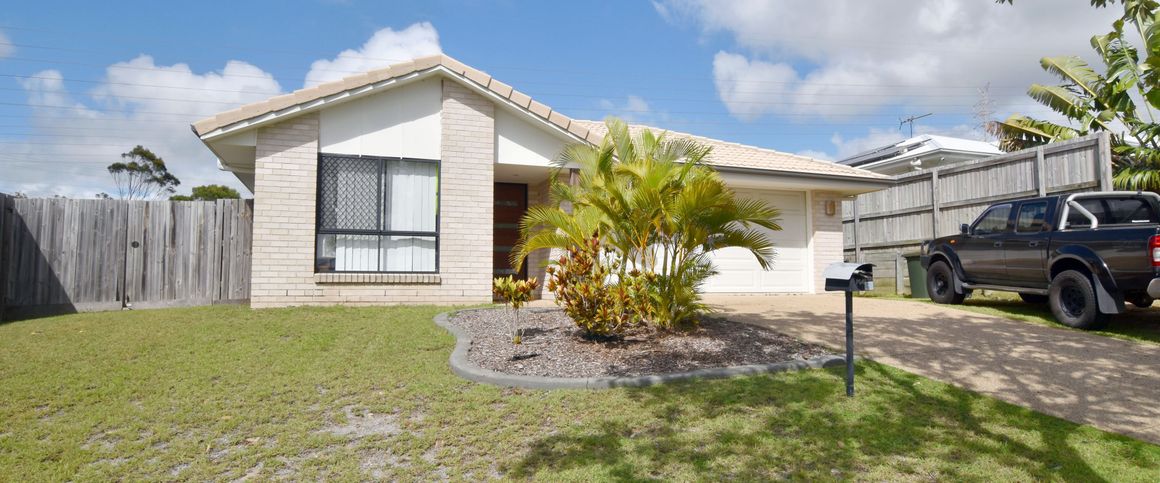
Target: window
{"x":1113,"y":211}
{"x":993,"y":221}
{"x":377,"y":214}
{"x":1031,"y":217}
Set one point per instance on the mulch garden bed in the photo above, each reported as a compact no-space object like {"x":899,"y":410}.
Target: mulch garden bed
{"x":554,"y":347}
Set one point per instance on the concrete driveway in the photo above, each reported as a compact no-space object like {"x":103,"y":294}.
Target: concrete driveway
{"x":1108,"y":383}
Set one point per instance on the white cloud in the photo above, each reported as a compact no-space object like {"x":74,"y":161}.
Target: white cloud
{"x":384,"y":48}
{"x":810,"y":153}
{"x":6,"y":48}
{"x":636,"y":109}
{"x":846,"y":57}
{"x":76,"y":135}
{"x":139,"y":103}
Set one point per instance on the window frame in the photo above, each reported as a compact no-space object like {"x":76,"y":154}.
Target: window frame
{"x":1007,"y":228}
{"x":380,"y":233}
{"x":1018,"y":212}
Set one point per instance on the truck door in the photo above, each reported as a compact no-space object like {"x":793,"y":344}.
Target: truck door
{"x":1025,"y":248}
{"x":981,"y":250}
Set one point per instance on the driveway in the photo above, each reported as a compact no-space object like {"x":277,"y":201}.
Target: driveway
{"x":1108,"y":383}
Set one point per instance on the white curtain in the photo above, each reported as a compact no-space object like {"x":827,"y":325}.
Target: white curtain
{"x":410,"y":190}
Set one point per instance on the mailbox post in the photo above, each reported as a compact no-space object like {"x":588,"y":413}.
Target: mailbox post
{"x":849,"y":278}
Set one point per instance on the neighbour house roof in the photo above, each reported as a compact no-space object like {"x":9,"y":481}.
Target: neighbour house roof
{"x":920,"y":146}
{"x":725,"y":154}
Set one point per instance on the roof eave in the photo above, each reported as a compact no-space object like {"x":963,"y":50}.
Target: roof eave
{"x":872,"y":181}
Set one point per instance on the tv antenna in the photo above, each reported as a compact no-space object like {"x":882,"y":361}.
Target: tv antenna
{"x":910,"y":120}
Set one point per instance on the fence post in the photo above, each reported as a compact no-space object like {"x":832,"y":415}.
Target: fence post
{"x":7,"y":220}
{"x":857,"y":244}
{"x":1104,"y":161}
{"x":1040,"y":172}
{"x":899,"y":265}
{"x":934,"y":194}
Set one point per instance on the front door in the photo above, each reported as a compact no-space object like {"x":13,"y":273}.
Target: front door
{"x":511,"y":202}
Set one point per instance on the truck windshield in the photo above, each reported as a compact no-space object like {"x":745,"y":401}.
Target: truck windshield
{"x":1114,"y":211}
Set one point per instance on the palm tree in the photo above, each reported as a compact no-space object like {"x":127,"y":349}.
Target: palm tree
{"x":651,"y":200}
{"x":1103,"y":102}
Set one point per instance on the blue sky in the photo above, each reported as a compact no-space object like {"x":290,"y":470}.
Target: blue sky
{"x":824,"y":79}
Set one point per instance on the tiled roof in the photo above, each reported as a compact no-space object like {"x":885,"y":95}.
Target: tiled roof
{"x":729,"y":154}
{"x":724,"y":153}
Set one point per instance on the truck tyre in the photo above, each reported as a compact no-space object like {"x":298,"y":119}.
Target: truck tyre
{"x":1073,"y":301}
{"x":940,"y":284}
{"x":1032,"y":298}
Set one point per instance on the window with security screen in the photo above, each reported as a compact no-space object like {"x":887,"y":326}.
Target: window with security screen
{"x":377,"y":214}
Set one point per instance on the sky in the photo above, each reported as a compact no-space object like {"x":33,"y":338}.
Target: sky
{"x":82,"y":82}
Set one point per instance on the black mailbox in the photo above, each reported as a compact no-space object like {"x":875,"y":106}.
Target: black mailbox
{"x":849,"y":277}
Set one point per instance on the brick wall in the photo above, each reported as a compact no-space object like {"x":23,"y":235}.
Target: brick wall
{"x":284,"y":216}
{"x":827,"y":236}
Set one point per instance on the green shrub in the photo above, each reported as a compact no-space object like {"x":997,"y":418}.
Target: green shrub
{"x":652,"y":201}
{"x":581,"y":283}
{"x":515,"y":293}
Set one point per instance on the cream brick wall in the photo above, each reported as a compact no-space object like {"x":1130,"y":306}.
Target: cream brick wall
{"x":284,"y":215}
{"x":827,"y":234}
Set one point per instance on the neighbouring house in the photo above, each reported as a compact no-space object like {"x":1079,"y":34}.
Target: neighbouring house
{"x":920,"y":152}
{"x":406,"y":185}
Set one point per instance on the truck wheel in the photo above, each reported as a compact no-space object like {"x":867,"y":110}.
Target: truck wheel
{"x":1073,"y":301}
{"x":940,"y":284}
{"x":1032,"y":298}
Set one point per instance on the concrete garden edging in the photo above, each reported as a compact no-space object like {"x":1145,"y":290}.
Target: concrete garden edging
{"x":462,"y":367}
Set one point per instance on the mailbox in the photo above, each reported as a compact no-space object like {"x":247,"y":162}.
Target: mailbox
{"x":849,"y":277}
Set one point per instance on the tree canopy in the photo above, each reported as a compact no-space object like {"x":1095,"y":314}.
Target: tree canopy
{"x":142,"y":175}
{"x":1121,"y":101}
{"x":209,"y":192}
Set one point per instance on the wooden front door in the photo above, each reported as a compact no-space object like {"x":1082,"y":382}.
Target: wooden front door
{"x":511,"y":202}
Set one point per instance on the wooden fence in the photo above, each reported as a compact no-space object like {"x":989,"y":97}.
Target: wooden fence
{"x":63,"y":256}
{"x":886,"y":226}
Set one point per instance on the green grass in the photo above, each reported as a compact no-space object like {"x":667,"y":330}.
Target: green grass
{"x":1135,"y":324}
{"x":222,"y":392}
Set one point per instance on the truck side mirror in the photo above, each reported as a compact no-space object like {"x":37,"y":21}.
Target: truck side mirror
{"x":965,"y":229}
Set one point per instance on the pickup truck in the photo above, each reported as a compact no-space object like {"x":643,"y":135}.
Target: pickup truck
{"x":1083,"y":254}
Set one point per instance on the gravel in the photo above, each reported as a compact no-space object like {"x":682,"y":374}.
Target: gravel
{"x":553,"y":346}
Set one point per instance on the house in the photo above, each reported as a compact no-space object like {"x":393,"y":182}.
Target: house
{"x":406,"y":185}
{"x":921,"y":152}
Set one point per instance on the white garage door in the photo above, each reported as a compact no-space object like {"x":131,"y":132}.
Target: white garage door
{"x":739,"y":271}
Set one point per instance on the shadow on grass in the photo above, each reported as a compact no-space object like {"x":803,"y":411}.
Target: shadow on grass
{"x":802,"y":426}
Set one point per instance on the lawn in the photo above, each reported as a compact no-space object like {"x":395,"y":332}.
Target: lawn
{"x":1135,"y":324}
{"x":356,"y":393}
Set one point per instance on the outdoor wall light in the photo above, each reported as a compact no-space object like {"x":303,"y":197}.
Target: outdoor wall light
{"x":831,"y":207}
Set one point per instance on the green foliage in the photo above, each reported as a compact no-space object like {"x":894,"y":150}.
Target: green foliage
{"x":209,"y":192}
{"x":652,"y":202}
{"x":515,"y":293}
{"x":142,"y":175}
{"x":581,"y":283}
{"x":1094,"y":101}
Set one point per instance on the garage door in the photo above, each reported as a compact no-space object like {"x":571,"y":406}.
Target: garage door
{"x":739,"y":271}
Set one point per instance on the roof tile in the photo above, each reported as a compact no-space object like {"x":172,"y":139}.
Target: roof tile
{"x":500,"y":88}
{"x":724,"y":153}
{"x":743,"y":156}
{"x":540,"y":109}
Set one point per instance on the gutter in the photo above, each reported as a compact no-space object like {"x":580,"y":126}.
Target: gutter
{"x":885,"y":181}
